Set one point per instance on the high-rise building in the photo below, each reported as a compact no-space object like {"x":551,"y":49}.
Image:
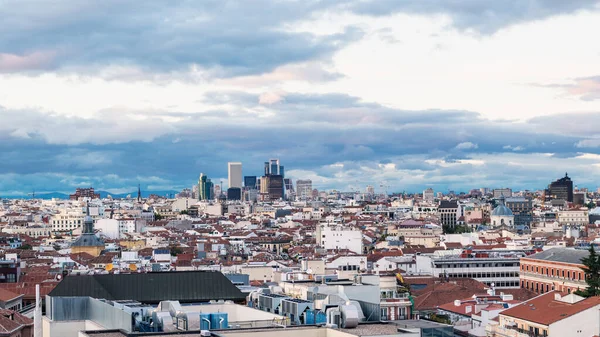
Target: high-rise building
{"x":272,"y":167}
{"x":428,"y":195}
{"x":235,"y":174}
{"x":289,"y":187}
{"x":304,"y":188}
{"x":561,"y":189}
{"x":250,"y":182}
{"x":370,"y":190}
{"x":276,"y":187}
{"x":234,"y":193}
{"x":205,"y":188}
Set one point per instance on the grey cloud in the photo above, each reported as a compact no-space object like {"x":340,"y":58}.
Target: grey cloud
{"x":484,"y":16}
{"x":226,"y":37}
{"x":308,"y":133}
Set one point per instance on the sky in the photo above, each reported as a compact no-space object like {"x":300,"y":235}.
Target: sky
{"x":401,"y":95}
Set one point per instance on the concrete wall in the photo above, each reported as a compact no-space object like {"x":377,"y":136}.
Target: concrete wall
{"x":293,"y":332}
{"x":67,"y":328}
{"x":572,"y":326}
{"x":235,"y":312}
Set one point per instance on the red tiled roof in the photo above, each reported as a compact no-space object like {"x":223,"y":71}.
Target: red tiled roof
{"x":545,"y":309}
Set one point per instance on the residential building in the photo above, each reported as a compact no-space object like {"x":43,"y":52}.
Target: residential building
{"x":304,"y":189}
{"x":428,"y":195}
{"x":84,"y":193}
{"x":522,"y":209}
{"x":551,"y":314}
{"x":499,"y":192}
{"x":337,"y":236}
{"x":449,"y":212}
{"x":573,"y":217}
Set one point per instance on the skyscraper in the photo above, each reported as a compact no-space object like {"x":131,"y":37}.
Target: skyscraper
{"x":561,"y":189}
{"x":304,"y":188}
{"x":205,"y":188}
{"x":250,"y":182}
{"x":235,"y":175}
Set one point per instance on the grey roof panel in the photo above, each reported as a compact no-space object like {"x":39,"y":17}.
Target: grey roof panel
{"x":192,"y":286}
{"x":565,"y":255}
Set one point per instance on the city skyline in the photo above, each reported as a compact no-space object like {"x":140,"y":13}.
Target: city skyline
{"x":353,"y":93}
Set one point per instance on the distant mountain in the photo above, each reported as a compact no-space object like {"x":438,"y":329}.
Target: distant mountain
{"x":145,"y":194}
{"x":103,"y":194}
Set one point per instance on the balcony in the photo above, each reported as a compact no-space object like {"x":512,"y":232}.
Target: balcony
{"x":494,"y":330}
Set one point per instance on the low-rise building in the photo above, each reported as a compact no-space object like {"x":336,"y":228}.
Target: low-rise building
{"x":553,"y":269}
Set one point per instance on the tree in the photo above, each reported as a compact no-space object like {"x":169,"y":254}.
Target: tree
{"x":157,"y":216}
{"x":591,"y":267}
{"x":26,"y":247}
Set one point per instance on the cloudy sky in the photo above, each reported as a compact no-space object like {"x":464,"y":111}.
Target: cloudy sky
{"x":452,"y":94}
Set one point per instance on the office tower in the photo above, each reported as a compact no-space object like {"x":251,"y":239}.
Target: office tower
{"x":276,"y":187}
{"x":267,"y":168}
{"x":370,"y":190}
{"x":289,"y":188}
{"x":274,"y":167}
{"x":234,"y":193}
{"x":561,"y":189}
{"x":250,"y":182}
{"x":235,"y":174}
{"x":282,"y":171}
{"x":304,"y":188}
{"x":205,"y":188}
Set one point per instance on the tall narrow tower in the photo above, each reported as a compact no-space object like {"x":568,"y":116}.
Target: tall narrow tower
{"x":235,"y":175}
{"x":139,"y":197}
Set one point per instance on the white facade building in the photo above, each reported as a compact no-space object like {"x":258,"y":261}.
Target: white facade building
{"x":428,"y":195}
{"x":332,"y":237}
{"x":235,"y":175}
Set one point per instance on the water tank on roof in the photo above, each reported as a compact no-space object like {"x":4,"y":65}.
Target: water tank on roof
{"x":219,"y":320}
{"x":205,"y":321}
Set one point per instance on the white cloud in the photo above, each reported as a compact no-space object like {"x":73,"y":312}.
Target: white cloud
{"x":588,"y":143}
{"x":269,"y":98}
{"x":466,"y":146}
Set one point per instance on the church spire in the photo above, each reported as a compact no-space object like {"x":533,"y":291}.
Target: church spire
{"x":139,"y":197}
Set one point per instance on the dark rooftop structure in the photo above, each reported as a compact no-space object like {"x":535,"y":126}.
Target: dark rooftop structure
{"x":185,"y":287}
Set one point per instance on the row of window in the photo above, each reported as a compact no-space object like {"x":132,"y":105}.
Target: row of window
{"x":479,"y":265}
{"x":501,"y":274}
{"x":502,"y":284}
{"x":556,"y":272}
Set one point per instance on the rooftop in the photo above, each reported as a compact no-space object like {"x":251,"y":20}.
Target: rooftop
{"x":565,"y":255}
{"x":188,"y":286}
{"x":547,"y":309}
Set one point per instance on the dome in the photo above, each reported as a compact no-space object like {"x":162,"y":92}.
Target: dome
{"x":502,"y":210}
